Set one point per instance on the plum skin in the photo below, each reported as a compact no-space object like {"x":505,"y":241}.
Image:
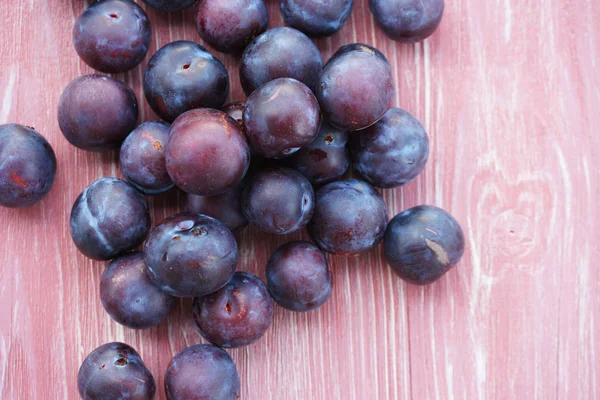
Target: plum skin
{"x":356,"y":88}
{"x":298,"y":276}
{"x":190,"y":255}
{"x":350,"y":217}
{"x":183,"y":76}
{"x":129,"y":296}
{"x":393,"y":151}
{"x":280,"y":53}
{"x":236,"y":315}
{"x":281,"y":117}
{"x":202,"y":372}
{"x":142,"y":158}
{"x":407,"y":21}
{"x":229,"y":25}
{"x":423,"y":243}
{"x":96,"y":112}
{"x":207,"y":152}
{"x":27,"y":166}
{"x":112,"y":35}
{"x":279,"y":200}
{"x":170,"y":5}
{"x":102,"y":232}
{"x":316,"y":18}
{"x":115,"y":371}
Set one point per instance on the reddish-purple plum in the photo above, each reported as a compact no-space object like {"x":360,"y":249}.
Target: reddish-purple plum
{"x":407,"y":21}
{"x":280,"y":53}
{"x":391,"y":152}
{"x":423,"y":243}
{"x":27,"y":166}
{"x":112,"y":35}
{"x":235,"y":111}
{"x":281,"y":117}
{"x":129,"y":296}
{"x":190,"y":255}
{"x":298,"y":277}
{"x":207,"y":153}
{"x":170,"y":5}
{"x":279,"y":200}
{"x":229,"y":25}
{"x":236,"y":315}
{"x":316,"y":17}
{"x":226,"y":207}
{"x":96,"y":112}
{"x":356,"y":87}
{"x":202,"y":372}
{"x":350,"y":217}
{"x":326,"y":159}
{"x":182,"y":76}
{"x":115,"y":371}
{"x":109,"y":218}
{"x":143,"y":158}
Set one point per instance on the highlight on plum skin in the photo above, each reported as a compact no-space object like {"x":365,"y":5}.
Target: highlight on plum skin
{"x":316,"y":18}
{"x":407,"y":21}
{"x":393,"y":151}
{"x":202,"y":372}
{"x":280,"y":53}
{"x":423,"y":243}
{"x":298,"y":276}
{"x":27,"y":166}
{"x":183,"y":76}
{"x":229,"y":25}
{"x":279,"y":200}
{"x":189,"y":255}
{"x":101,"y":232}
{"x":237,"y":314}
{"x":112,"y":36}
{"x":129,"y":296}
{"x":207,"y":153}
{"x":97,"y":112}
{"x":350,"y":218}
{"x":115,"y":371}
{"x":142,"y":158}
{"x":356,"y":88}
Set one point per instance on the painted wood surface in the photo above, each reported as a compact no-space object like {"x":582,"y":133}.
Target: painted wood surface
{"x":509,"y":91}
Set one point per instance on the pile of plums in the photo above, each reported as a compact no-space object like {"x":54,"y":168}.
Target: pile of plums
{"x":280,"y":161}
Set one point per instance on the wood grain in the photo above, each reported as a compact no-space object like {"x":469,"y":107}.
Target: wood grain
{"x":509,"y":91}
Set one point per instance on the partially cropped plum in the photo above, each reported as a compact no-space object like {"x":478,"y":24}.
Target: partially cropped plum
{"x":316,"y":17}
{"x":202,"y":372}
{"x":229,"y":25}
{"x":109,"y":218}
{"x":356,"y":87}
{"x":281,"y":117}
{"x":423,"y":243}
{"x":350,"y":217}
{"x":280,"y":53}
{"x":190,"y":255}
{"x":182,"y":76}
{"x":207,"y":153}
{"x":170,"y":5}
{"x":143,"y":158}
{"x":236,"y":315}
{"x":235,"y":111}
{"x":279,"y":200}
{"x":393,"y":151}
{"x":96,"y":112}
{"x":226,"y":207}
{"x":326,"y":159}
{"x":298,"y":277}
{"x":129,"y":296}
{"x":115,"y":371}
{"x":407,"y":21}
{"x":112,"y":35}
{"x":27,"y":166}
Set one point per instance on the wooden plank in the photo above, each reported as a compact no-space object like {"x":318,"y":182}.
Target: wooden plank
{"x":509,"y":93}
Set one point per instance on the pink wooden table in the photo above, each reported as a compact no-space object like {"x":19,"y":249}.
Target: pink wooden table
{"x":509,"y":91}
